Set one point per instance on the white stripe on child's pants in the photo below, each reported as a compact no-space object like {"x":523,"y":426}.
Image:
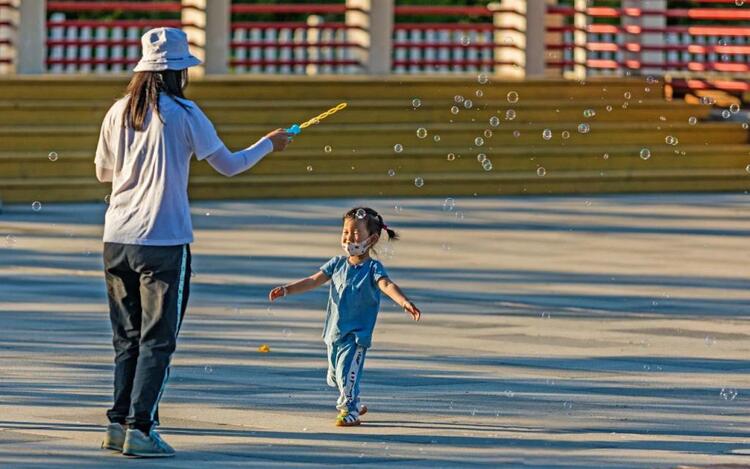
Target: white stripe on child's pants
{"x":354,"y":368}
{"x":180,"y":288}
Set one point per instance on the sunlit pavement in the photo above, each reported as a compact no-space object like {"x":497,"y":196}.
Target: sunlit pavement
{"x":602,"y":331}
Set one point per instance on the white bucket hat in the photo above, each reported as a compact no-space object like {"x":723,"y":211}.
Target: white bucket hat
{"x":165,"y":49}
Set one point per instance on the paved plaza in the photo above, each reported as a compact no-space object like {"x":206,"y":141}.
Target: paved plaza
{"x":588,"y":331}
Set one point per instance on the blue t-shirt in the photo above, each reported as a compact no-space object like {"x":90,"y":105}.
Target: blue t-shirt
{"x":353,"y":299}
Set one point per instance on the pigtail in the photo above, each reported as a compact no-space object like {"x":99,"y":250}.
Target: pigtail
{"x":392,"y":235}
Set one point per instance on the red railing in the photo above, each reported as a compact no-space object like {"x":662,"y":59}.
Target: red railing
{"x":718,"y":44}
{"x":7,"y":34}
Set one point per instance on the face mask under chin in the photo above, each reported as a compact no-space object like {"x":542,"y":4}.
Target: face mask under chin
{"x":357,"y":249}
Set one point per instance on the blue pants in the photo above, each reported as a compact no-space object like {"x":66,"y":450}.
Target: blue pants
{"x":346,"y":361}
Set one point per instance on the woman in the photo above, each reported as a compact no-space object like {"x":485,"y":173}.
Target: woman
{"x":147,"y":140}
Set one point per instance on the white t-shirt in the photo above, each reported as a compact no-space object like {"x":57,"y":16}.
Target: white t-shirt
{"x":149,"y":200}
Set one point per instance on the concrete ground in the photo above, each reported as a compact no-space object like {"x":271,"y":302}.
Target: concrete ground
{"x":601,"y":331}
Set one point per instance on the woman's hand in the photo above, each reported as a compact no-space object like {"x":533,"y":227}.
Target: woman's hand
{"x":280,"y":139}
{"x":276,"y":293}
{"x":412,"y":309}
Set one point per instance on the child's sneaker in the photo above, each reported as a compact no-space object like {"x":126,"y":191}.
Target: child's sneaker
{"x":115,"y":437}
{"x":347,"y":419}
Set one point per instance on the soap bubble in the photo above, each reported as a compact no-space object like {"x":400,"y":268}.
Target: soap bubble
{"x":52,"y":156}
{"x":494,"y":121}
{"x":468,"y":104}
{"x":454,"y":110}
{"x":605,"y":156}
{"x":512,"y":97}
{"x":547,"y":134}
{"x":416,"y":102}
{"x":418,"y":181}
{"x":609,"y":108}
{"x":583,"y":128}
{"x":745,"y":125}
{"x":479,"y":93}
{"x":645,"y":153}
{"x":208,"y":369}
{"x":10,"y":240}
{"x":458,"y":99}
{"x":451,"y":157}
{"x":398,"y":148}
{"x":327,"y":149}
{"x":421,"y":132}
{"x":747,"y":168}
{"x":449,"y":204}
{"x":288,"y":332}
{"x":728,"y":394}
{"x":651,"y":80}
{"x":107,"y":198}
{"x":739,"y":3}
{"x":482,"y":78}
{"x":36,"y":206}
{"x":309,"y":168}
{"x":692,"y":120}
{"x":627,"y":95}
{"x":487,"y":133}
{"x":510,"y":114}
{"x":465,"y":40}
{"x":436,"y":138}
{"x":565,"y":134}
{"x":589,"y":113}
{"x":360,"y":214}
{"x":710,"y":341}
{"x":540,"y":171}
{"x":487,"y":165}
{"x":726,"y":114}
{"x":516,"y":133}
{"x":670,"y":140}
{"x":481,"y":157}
{"x":479,"y":141}
{"x":391,"y":172}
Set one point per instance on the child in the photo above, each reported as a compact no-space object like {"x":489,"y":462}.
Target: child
{"x":353,"y":305}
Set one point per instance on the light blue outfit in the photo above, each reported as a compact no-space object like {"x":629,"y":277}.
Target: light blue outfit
{"x":353,"y":305}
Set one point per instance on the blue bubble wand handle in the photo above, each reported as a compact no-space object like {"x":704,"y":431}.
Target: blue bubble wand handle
{"x":296,"y":129}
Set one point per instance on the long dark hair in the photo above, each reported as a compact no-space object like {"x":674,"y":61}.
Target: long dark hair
{"x":143,"y":91}
{"x":372,"y":219}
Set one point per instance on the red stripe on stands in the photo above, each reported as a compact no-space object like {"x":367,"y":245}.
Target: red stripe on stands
{"x":288,"y":8}
{"x":417,"y":10}
{"x":175,"y":7}
{"x":288,"y":45}
{"x":117,"y":23}
{"x":286,"y":25}
{"x":292,"y":62}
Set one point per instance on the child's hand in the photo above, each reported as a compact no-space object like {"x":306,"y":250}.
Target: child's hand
{"x":280,"y":139}
{"x":277,"y":292}
{"x":410,"y":308}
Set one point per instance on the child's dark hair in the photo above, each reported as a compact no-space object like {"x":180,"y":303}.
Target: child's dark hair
{"x":372,"y":219}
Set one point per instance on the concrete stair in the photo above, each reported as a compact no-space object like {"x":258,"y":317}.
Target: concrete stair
{"x":63,"y":114}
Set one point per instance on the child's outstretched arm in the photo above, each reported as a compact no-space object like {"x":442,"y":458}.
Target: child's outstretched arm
{"x":300,"y":286}
{"x":394,"y":292}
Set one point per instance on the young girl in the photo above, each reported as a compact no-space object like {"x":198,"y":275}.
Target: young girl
{"x":353,"y":305}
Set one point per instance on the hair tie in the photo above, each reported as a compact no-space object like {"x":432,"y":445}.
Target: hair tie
{"x":385,"y":226}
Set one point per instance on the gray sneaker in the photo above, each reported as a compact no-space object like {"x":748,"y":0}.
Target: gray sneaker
{"x":142,"y":446}
{"x":114,"y":438}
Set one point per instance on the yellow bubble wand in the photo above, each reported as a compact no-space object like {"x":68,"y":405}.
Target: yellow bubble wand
{"x":297,"y":128}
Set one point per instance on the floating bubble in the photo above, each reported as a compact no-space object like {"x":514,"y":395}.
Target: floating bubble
{"x":647,"y":89}
{"x":36,"y":206}
{"x":465,"y":40}
{"x":468,"y":104}
{"x":547,"y":134}
{"x":449,"y":204}
{"x":663,"y":118}
{"x":745,"y":125}
{"x":479,"y":93}
{"x":398,"y":148}
{"x":309,"y":168}
{"x":726,"y":114}
{"x":416,"y":102}
{"x":627,"y":95}
{"x":391,"y":172}
{"x":10,"y":240}
{"x":512,"y":97}
{"x":418,"y":181}
{"x":208,"y":214}
{"x":739,"y":3}
{"x":458,"y":99}
{"x":671,"y":140}
{"x":482,"y":78}
{"x":651,"y":80}
{"x":565,"y":134}
{"x":288,"y":332}
{"x":510,"y":114}
{"x":728,"y":394}
{"x":107,"y":198}
{"x":710,"y":341}
{"x":479,"y":141}
{"x":540,"y":171}
{"x":436,"y":138}
{"x":487,"y":165}
{"x":734,"y":108}
{"x":451,"y":157}
{"x":589,"y":113}
{"x":692,"y":120}
{"x":583,"y":128}
{"x":454,"y":110}
{"x":481,"y":157}
{"x":645,"y":153}
{"x":516,"y":133}
{"x":707,"y":100}
{"x":208,"y":369}
{"x":747,"y":168}
{"x":609,"y":108}
{"x":52,"y":156}
{"x":546,"y":315}
{"x":494,"y":121}
{"x":605,"y":156}
{"x":421,"y":132}
{"x":360,"y":214}
{"x":487,"y":133}
{"x":327,"y":149}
